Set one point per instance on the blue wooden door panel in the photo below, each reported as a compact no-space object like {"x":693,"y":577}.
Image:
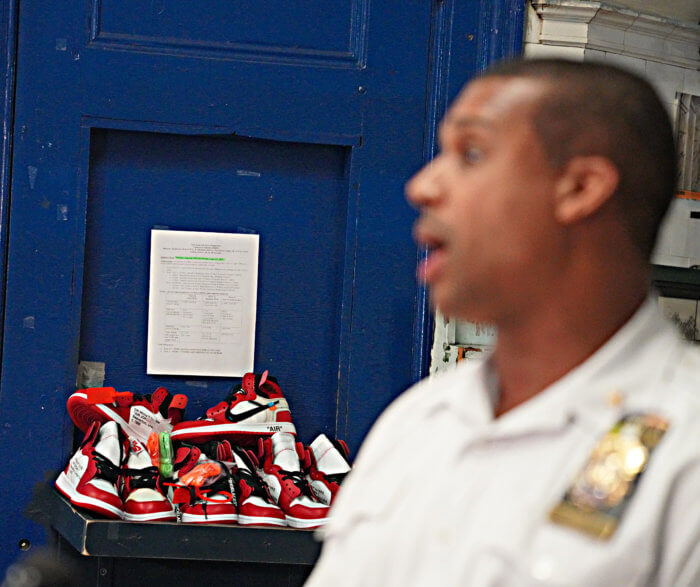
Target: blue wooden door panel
{"x":324,"y":31}
{"x":299,"y":123}
{"x":140,"y":180}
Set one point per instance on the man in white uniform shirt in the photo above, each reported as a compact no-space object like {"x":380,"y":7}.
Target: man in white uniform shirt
{"x":572,"y":455}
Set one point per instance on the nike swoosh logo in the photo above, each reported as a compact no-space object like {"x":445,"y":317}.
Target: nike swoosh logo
{"x":247,"y":414}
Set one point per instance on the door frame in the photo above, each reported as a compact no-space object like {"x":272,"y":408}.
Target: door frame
{"x":499,"y":36}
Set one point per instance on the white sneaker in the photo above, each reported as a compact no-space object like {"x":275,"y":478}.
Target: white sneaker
{"x":282,"y":473}
{"x":143,"y":492}
{"x":90,"y":479}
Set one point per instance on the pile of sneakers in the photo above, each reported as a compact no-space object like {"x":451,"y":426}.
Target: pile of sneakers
{"x":239,"y":463}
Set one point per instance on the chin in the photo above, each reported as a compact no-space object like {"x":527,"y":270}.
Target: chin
{"x":459,"y":310}
{"x":447,"y":307}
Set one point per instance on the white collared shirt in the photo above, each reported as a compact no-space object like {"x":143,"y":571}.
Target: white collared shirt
{"x":444,"y":494}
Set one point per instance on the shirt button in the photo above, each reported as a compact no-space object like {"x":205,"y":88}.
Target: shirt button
{"x":542,"y":569}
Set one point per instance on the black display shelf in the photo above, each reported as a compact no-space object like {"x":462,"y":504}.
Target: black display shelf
{"x":676,"y":282}
{"x":168,"y":540}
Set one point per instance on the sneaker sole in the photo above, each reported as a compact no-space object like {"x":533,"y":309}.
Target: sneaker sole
{"x":305,"y":523}
{"x":211,"y":519}
{"x":84,"y":414}
{"x":152,"y":517}
{"x":260,"y":521}
{"x":207,"y":432}
{"x":84,"y":501}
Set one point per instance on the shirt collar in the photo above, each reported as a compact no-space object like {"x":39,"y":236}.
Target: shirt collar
{"x":595,"y":391}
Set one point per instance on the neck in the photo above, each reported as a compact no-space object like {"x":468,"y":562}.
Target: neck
{"x":538,"y":347}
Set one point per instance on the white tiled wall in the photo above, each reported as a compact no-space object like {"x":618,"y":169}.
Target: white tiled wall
{"x":650,"y":46}
{"x":667,"y":79}
{"x":534,"y":51}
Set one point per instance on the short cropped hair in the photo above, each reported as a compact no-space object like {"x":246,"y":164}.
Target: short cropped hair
{"x":597,"y":109}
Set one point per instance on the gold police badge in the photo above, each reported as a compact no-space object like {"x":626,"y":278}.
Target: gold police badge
{"x":599,"y":494}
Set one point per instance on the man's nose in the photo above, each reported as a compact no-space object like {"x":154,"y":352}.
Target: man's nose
{"x":424,"y":188}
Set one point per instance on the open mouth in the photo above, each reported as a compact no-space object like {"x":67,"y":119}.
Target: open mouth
{"x":428,"y":267}
{"x":434,"y":245}
{"x":425,"y":237}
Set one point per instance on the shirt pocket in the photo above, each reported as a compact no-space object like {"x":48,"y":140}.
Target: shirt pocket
{"x":560,"y":555}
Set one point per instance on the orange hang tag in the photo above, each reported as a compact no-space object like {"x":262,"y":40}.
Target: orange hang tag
{"x":100,"y":395}
{"x":200,"y":474}
{"x":153,"y":447}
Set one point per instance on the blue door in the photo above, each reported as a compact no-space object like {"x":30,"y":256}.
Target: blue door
{"x":298,"y":121}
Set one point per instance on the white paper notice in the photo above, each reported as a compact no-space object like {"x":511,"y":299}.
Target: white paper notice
{"x":202,"y":302}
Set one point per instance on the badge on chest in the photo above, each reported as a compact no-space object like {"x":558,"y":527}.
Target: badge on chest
{"x":598,"y":496}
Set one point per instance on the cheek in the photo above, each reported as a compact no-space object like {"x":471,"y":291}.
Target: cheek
{"x":527,"y":235}
{"x":507,"y":228}
{"x":500,"y":210}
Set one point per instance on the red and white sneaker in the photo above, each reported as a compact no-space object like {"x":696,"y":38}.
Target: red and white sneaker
{"x":203,"y":492}
{"x":137,"y":415}
{"x":282,"y":473}
{"x":326,"y":464}
{"x":254,"y":502}
{"x":143,"y":493}
{"x":212,"y":504}
{"x":90,"y":479}
{"x":256,"y":407}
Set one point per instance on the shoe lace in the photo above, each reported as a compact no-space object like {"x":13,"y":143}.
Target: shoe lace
{"x":221,"y":487}
{"x":106,"y":469}
{"x":147,"y":477}
{"x":253,"y":481}
{"x":297,"y":477}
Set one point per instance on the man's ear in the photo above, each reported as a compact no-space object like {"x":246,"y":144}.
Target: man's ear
{"x":584,"y":186}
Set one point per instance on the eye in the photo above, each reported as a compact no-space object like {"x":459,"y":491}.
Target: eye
{"x":473,"y":155}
